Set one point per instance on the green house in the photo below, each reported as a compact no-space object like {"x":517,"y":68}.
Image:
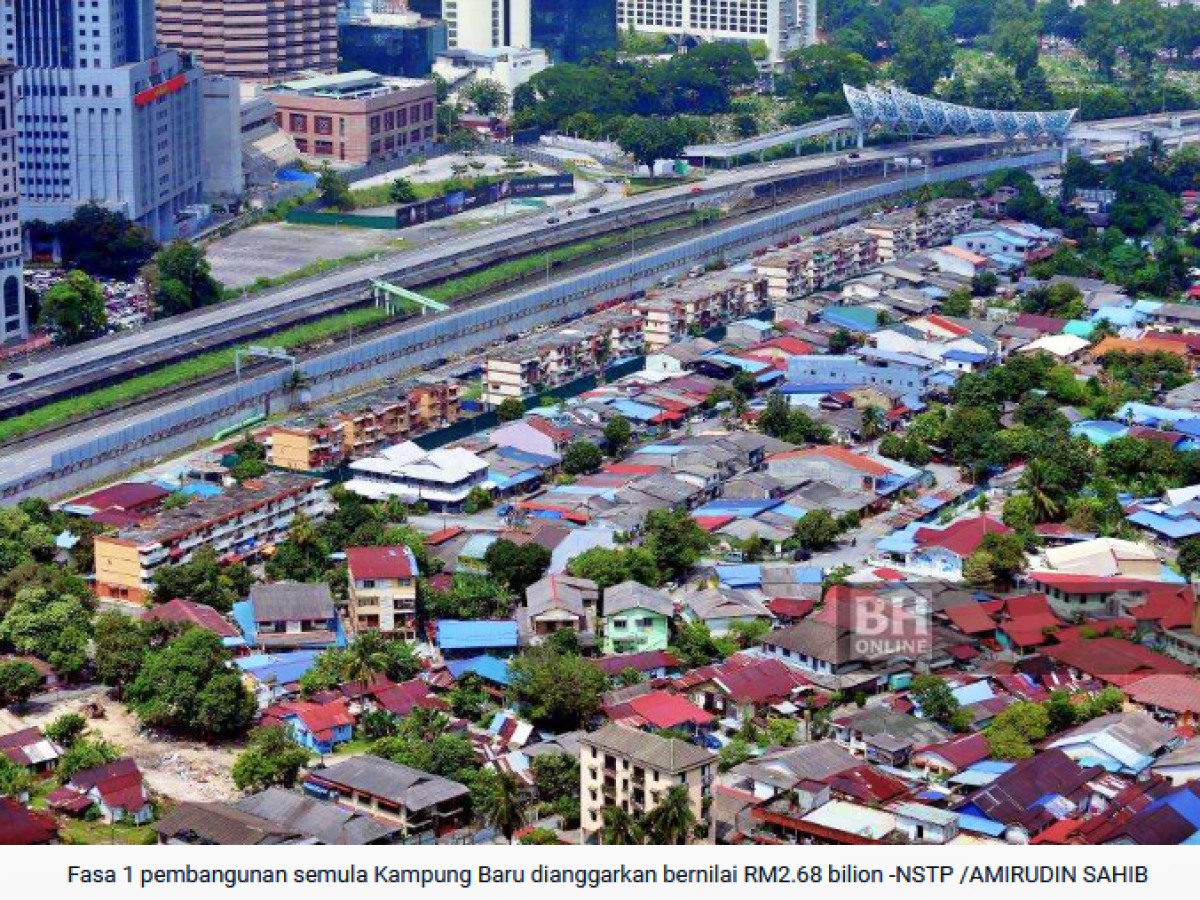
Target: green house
{"x":636,"y":618}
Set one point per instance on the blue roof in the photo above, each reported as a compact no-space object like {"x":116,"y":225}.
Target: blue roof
{"x":1183,"y":802}
{"x":746,"y":365}
{"x":534,"y":459}
{"x":282,"y":668}
{"x":660,"y":449}
{"x":1099,"y":431}
{"x":992,"y":766}
{"x":1121,"y":316}
{"x":809,"y":575}
{"x":902,"y":540}
{"x":980,"y":825}
{"x":489,"y":668}
{"x":631,"y":409}
{"x":457,"y":634}
{"x":739,"y":576}
{"x":201,"y":489}
{"x":789,"y":511}
{"x":507,"y":481}
{"x":477,"y":545}
{"x":739,"y":508}
{"x":852,"y":318}
{"x":1165,"y":525}
{"x":756,"y":324}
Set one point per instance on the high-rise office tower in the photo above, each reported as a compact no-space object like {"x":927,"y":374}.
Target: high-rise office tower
{"x":104,"y":115}
{"x":783,"y":25}
{"x":568,"y":30}
{"x":14,"y":321}
{"x":254,"y":40}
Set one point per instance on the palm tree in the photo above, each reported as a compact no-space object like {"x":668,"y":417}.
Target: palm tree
{"x":1043,"y":490}
{"x":425,"y":724}
{"x":504,"y":808}
{"x":620,"y":828}
{"x":366,"y":658}
{"x":872,"y":423}
{"x":672,"y":820}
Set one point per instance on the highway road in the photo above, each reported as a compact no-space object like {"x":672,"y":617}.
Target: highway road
{"x":120,"y":355}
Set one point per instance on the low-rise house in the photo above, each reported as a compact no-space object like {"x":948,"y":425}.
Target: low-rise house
{"x":744,"y":687}
{"x":941,"y":551}
{"x":467,"y":638}
{"x":1126,"y":743}
{"x":442,"y":478}
{"x":1033,"y":794}
{"x":636,"y":618}
{"x":559,"y":602}
{"x":24,"y":827}
{"x":200,"y":615}
{"x":30,"y":749}
{"x":882,"y":735}
{"x":382,"y":591}
{"x":1174,"y":699}
{"x":319,"y":727}
{"x":218,"y":824}
{"x":116,"y":790}
{"x":1181,"y":765}
{"x":952,"y":756}
{"x":1112,"y":660}
{"x":632,"y":769}
{"x":922,"y":824}
{"x":650,"y":664}
{"x":419,"y":802}
{"x":288,"y":615}
{"x":317,"y":820}
{"x":722,"y":609}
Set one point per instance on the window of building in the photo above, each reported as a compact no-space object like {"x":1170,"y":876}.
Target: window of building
{"x":323,"y":124}
{"x":297,"y":122}
{"x":324,"y":148}
{"x":375,"y":124}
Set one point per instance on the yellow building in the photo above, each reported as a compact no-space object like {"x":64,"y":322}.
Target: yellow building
{"x":382,"y":591}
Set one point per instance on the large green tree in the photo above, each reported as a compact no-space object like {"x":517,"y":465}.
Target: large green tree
{"x":180,"y":279}
{"x":558,"y":690}
{"x":271,"y":758}
{"x":74,"y":308}
{"x":924,"y":51}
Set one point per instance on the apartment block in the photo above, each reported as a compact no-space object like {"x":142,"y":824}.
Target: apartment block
{"x":382,"y":591}
{"x":632,"y":769}
{"x":254,"y":40}
{"x":673,"y":313}
{"x":783,"y":25}
{"x":242,"y":522}
{"x":798,"y":271}
{"x":906,"y":231}
{"x":319,"y":443}
{"x":554,"y":358}
{"x":14,"y":319}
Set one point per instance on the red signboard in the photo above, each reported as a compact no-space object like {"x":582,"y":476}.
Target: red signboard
{"x":170,"y":86}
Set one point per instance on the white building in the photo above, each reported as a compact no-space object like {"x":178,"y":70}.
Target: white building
{"x":14,"y":321}
{"x":480,"y":25}
{"x":105,"y":115}
{"x":783,"y":25}
{"x":441,"y":478}
{"x":509,"y":67}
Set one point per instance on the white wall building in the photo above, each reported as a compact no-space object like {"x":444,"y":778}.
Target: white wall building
{"x":783,"y":25}
{"x":440,"y":478}
{"x":509,"y":67}
{"x":487,"y":24}
{"x":105,"y":115}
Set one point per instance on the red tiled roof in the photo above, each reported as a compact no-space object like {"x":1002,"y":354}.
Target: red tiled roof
{"x":440,"y":537}
{"x":319,"y":718}
{"x":380,"y":562}
{"x":962,"y":537}
{"x":791,"y":607}
{"x":22,"y":827}
{"x":1072,"y":583}
{"x":401,"y":699}
{"x":68,"y":800}
{"x":1025,"y":634}
{"x":761,"y":681}
{"x":963,"y":652}
{"x":1105,"y":656}
{"x":129,"y":496}
{"x":946,"y":325}
{"x":191,"y":613}
{"x":788,"y":344}
{"x":1044,"y":324}
{"x":712,"y":523}
{"x":642,"y":662}
{"x":868,"y":784}
{"x":663,"y":710}
{"x":119,"y":784}
{"x":960,"y":752}
{"x":549,"y":429}
{"x":1175,"y":692}
{"x":969,"y":618}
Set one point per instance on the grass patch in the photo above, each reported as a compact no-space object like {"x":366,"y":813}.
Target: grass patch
{"x":645,"y":185}
{"x":379,"y":194}
{"x":473,"y":390}
{"x":140,"y":386}
{"x":358,"y":745}
{"x":77,"y":831}
{"x":316,"y":267}
{"x":514,"y":269}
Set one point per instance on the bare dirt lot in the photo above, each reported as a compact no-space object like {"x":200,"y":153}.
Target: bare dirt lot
{"x":277,"y":248}
{"x":179,"y":769}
